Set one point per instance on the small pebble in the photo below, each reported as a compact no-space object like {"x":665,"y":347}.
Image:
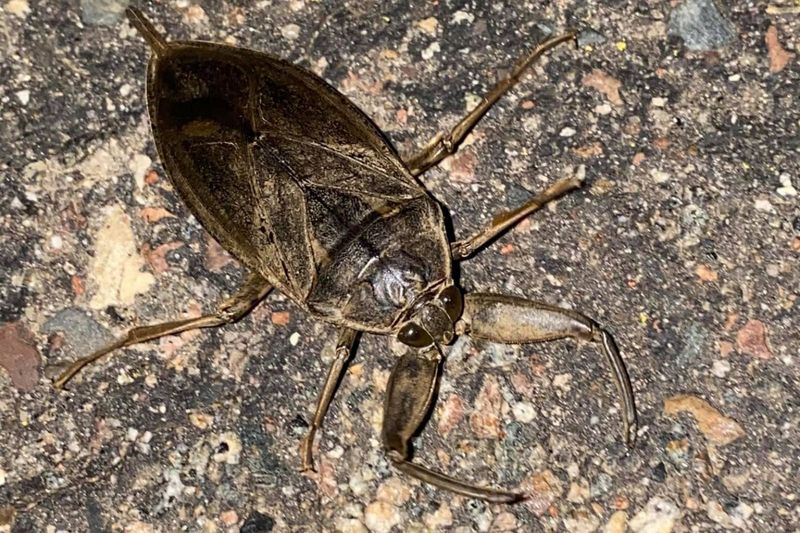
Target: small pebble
{"x":227,"y":448}
{"x":717,"y":428}
{"x":720,"y":368}
{"x":294,"y":338}
{"x":581,"y":522}
{"x":201,"y":420}
{"x":603,"y":109}
{"x":23,"y":96}
{"x":102,"y":12}
{"x":431,"y":50}
{"x":19,"y":356}
{"x":589,"y":37}
{"x":700,"y":25}
{"x":562,"y":381}
{"x":658,"y":516}
{"x":764,"y":205}
{"x":618,"y":523}
{"x":752,"y":340}
{"x":462,"y":16}
{"x":440,"y":518}
{"x":290,"y":32}
{"x":428,"y":25}
{"x":659,"y":176}
{"x":19,"y":8}
{"x":381,"y":516}
{"x":525,"y":412}
{"x":567,"y":132}
{"x":786,"y":189}
{"x":229,"y":518}
{"x":394,"y":490}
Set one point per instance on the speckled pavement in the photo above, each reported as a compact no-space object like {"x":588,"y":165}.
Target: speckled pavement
{"x":682,"y":120}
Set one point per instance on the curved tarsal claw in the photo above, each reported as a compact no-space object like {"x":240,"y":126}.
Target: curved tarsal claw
{"x":622,"y":383}
{"x":443,"y":481}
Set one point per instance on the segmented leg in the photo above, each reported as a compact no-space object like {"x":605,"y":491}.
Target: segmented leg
{"x":254,"y":289}
{"x":513,"y":320}
{"x":443,"y":145}
{"x":507,"y":220}
{"x":344,"y":349}
{"x":408,"y":399}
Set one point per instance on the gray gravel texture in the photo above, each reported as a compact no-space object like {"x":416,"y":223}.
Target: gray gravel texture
{"x":684,"y":242}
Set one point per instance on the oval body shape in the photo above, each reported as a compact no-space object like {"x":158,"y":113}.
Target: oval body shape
{"x":296,"y":182}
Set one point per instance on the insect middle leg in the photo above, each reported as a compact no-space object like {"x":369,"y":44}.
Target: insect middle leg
{"x":502,"y":222}
{"x":513,"y":320}
{"x":254,"y":289}
{"x":344,"y":350}
{"x":445,"y":144}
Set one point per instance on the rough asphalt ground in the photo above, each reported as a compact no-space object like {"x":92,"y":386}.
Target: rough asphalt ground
{"x":683,"y":121}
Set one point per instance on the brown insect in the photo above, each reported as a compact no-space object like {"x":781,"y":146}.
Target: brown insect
{"x":310,"y":196}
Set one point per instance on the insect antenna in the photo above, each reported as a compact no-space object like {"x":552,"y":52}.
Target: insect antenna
{"x":148,"y":31}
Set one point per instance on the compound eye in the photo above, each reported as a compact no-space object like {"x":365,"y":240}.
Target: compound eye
{"x":453,"y":303}
{"x":414,"y":336}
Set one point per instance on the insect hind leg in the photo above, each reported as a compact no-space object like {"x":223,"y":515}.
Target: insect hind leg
{"x":514,"y":320}
{"x":254,"y":289}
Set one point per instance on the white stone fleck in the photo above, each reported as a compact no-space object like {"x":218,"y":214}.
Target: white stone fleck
{"x":23,"y":96}
{"x":381,"y":516}
{"x":139,"y":164}
{"x":764,"y":205}
{"x":428,"y":25}
{"x":290,"y":32}
{"x":659,"y":176}
{"x":773,"y":270}
{"x":431,"y":50}
{"x":294,"y":338}
{"x":19,"y":8}
{"x":56,"y":242}
{"x":228,"y":448}
{"x":172,"y":490}
{"x":603,"y":109}
{"x":116,"y":268}
{"x":471,"y":101}
{"x":524,"y":412}
{"x":462,"y":16}
{"x":658,"y":516}
{"x":658,"y":101}
{"x":567,"y":132}
{"x":786,"y":188}
{"x":562,"y":381}
{"x":720,"y":368}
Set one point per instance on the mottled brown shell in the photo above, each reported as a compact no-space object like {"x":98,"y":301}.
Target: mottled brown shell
{"x":296,"y":182}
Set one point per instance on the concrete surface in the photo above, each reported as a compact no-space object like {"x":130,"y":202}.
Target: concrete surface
{"x":684,"y":243}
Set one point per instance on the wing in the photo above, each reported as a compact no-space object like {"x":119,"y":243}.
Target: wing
{"x":275,"y":163}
